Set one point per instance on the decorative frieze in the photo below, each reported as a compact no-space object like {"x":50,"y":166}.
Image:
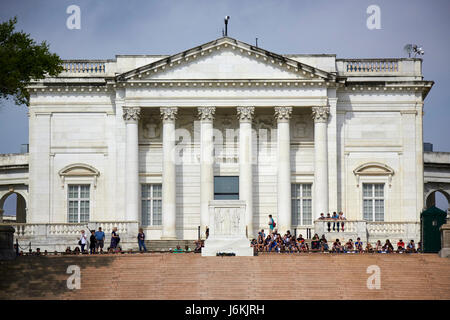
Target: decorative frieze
{"x":283,"y":113}
{"x":168,"y":113}
{"x":245,"y":113}
{"x":320,"y":114}
{"x":131,"y":113}
{"x":206,"y":113}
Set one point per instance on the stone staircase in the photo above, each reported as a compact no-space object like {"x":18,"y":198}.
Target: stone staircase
{"x":191,"y":276}
{"x":165,"y":245}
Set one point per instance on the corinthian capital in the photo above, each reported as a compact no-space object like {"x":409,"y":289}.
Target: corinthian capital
{"x":206,"y":113}
{"x":245,"y":113}
{"x":168,"y":113}
{"x":131,"y":113}
{"x":320,"y":114}
{"x":283,"y":113}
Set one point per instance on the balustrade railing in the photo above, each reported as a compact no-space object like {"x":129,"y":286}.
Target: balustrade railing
{"x":371,"y":66}
{"x":67,"y":229}
{"x":386,"y":227}
{"x":84,"y":66}
{"x":368,"y":229}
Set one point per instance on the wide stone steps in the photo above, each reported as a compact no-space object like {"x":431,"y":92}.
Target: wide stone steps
{"x":165,"y":245}
{"x":190,"y":276}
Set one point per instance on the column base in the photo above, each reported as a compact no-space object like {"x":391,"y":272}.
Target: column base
{"x":240,"y":247}
{"x":444,"y":253}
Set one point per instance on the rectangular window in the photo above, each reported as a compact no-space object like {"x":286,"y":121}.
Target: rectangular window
{"x":226,"y":188}
{"x":301,"y":195}
{"x":151,"y":197}
{"x":373,"y":201}
{"x":78,"y":203}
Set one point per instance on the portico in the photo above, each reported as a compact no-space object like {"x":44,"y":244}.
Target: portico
{"x":247,"y":143}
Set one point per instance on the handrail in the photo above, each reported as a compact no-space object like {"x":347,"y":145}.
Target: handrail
{"x":84,"y":66}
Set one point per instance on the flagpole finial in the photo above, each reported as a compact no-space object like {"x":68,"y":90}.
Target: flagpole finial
{"x":226,"y":25}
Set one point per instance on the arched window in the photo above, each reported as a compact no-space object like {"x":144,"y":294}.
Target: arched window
{"x":79,"y":179}
{"x":372,"y":179}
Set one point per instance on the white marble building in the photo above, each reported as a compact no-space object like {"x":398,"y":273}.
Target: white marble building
{"x":151,"y":140}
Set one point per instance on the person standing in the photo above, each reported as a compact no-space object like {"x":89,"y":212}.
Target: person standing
{"x":100,"y":239}
{"x":328,"y":218}
{"x":92,"y":242}
{"x":83,"y":240}
{"x":335,"y":217}
{"x":114,"y":240}
{"x":272,"y":223}
{"x":341,"y":217}
{"x":141,"y":240}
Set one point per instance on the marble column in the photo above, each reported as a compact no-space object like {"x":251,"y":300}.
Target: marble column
{"x":245,"y":116}
{"x":320,"y":116}
{"x":206,"y":116}
{"x":169,"y":200}
{"x":283,"y":115}
{"x":131,"y":116}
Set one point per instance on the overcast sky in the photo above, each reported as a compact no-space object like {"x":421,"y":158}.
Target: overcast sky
{"x":282,"y":26}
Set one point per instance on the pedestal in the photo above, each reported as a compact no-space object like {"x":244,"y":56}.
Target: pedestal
{"x":445,"y":241}
{"x":7,"y":243}
{"x":227,"y":229}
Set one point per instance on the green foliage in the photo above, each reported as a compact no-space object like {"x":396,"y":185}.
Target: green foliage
{"x":21,"y":60}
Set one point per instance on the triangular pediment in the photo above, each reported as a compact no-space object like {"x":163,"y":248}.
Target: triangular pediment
{"x":225,"y":59}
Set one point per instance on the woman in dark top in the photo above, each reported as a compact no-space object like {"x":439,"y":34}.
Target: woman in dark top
{"x":141,"y":240}
{"x":114,"y":239}
{"x":388,"y":248}
{"x":92,"y":241}
{"x":315,"y":243}
{"x":324,"y":243}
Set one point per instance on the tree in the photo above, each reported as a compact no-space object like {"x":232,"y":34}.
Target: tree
{"x":21,"y":60}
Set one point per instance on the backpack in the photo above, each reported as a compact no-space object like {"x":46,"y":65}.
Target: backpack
{"x":273,"y":223}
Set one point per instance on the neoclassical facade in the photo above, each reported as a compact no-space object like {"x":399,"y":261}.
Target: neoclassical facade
{"x":151,"y":140}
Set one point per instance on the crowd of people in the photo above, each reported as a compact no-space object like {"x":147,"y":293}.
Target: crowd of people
{"x":338,"y":220}
{"x":274,"y":242}
{"x":270,"y":242}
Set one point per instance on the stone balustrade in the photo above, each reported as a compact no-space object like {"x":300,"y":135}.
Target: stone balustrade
{"x":368,"y":230}
{"x":386,"y":227}
{"x":371,"y":65}
{"x":67,"y":229}
{"x":85,"y":66}
{"x":58,"y":236}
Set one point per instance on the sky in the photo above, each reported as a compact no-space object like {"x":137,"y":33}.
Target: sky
{"x":112,"y":27}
